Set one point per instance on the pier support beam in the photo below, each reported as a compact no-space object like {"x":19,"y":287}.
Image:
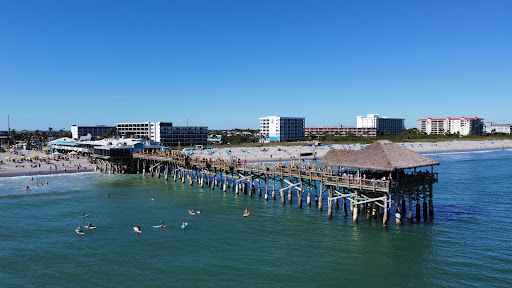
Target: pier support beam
{"x":425,"y":214}
{"x":345,"y":213}
{"x":329,"y":209}
{"x":355,"y":214}
{"x":431,"y":209}
{"x":398,"y":217}
{"x":320,"y":198}
{"x":418,"y":211}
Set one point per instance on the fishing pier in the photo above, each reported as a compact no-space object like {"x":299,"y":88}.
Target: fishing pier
{"x":366,"y":182}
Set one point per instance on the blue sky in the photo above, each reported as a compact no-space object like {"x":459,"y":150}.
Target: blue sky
{"x":224,"y":64}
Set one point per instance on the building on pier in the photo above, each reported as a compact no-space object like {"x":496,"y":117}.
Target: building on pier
{"x":405,"y":171}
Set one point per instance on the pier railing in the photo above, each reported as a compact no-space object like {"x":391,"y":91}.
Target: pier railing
{"x":327,"y":177}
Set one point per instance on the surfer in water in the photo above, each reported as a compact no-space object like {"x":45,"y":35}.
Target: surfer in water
{"x":108,"y":196}
{"x":246,"y":211}
{"x":89,"y":225}
{"x":138,"y":228}
{"x":79,"y":230}
{"x":161,"y":223}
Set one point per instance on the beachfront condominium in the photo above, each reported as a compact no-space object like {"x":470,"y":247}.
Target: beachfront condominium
{"x":385,"y":125}
{"x":90,"y":132}
{"x":491,"y":128}
{"x":281,"y":129}
{"x":463,"y":126}
{"x":165,"y":133}
{"x":316,"y":132}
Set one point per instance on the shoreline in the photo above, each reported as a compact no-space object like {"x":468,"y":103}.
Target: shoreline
{"x":14,"y":173}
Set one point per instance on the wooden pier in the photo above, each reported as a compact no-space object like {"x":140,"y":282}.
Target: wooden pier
{"x":368,"y":181}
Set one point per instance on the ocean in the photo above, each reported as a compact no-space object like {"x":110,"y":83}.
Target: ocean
{"x":467,"y":245}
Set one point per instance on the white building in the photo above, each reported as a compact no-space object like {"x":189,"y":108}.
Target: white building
{"x":463,"y":126}
{"x":165,"y":132}
{"x":384,"y":125}
{"x":491,"y":128}
{"x":277,"y":128}
{"x":78,"y":132}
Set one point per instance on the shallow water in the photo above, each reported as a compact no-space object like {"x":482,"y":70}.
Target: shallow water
{"x":467,"y":244}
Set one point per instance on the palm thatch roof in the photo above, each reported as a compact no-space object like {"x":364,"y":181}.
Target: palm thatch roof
{"x":380,"y":156}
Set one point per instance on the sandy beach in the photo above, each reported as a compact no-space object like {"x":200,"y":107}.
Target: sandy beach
{"x":9,"y":168}
{"x":286,"y":153}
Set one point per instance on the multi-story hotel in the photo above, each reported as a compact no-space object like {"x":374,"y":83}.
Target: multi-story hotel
{"x":384,"y":125}
{"x":491,"y":127}
{"x":316,"y":132}
{"x":463,"y":126}
{"x":165,"y":132}
{"x":94,"y":131}
{"x":277,"y":129}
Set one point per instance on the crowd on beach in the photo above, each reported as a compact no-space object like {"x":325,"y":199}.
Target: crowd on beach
{"x":18,"y":162}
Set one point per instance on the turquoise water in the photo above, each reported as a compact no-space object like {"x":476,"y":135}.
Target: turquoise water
{"x":467,"y":245}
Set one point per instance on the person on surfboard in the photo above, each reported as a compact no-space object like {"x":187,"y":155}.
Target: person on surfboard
{"x":79,"y":230}
{"x":89,"y":225}
{"x":246,"y":211}
{"x":161,"y":223}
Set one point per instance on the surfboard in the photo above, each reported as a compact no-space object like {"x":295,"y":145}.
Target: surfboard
{"x":160,"y":226}
{"x":136,"y":229}
{"x":92,"y":227}
{"x":79,"y":233}
{"x":247,"y":214}
{"x":184,"y":225}
{"x":86,"y":215}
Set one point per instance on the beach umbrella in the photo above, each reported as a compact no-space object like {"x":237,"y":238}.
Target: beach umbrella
{"x":7,"y":158}
{"x":47,"y":148}
{"x":73,"y":153}
{"x":57,"y":153}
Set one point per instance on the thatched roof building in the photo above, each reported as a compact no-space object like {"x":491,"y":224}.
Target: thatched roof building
{"x":380,"y":156}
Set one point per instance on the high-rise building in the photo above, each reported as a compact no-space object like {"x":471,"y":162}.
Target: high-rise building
{"x":463,"y":126}
{"x":281,"y":129}
{"x":384,"y":125}
{"x":78,"y":132}
{"x":165,"y":132}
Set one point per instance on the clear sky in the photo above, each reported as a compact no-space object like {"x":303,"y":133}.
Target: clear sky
{"x":224,"y":64}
